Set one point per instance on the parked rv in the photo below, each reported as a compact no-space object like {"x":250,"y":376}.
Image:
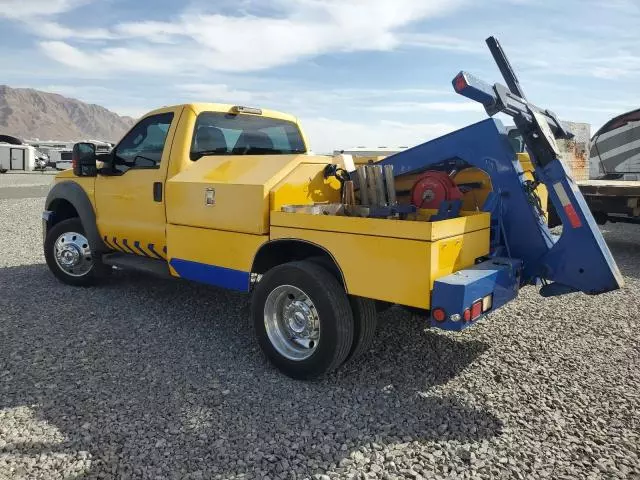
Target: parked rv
{"x":19,"y":158}
{"x":615,"y":148}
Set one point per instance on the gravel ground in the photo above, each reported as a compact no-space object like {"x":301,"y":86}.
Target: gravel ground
{"x":25,"y":184}
{"x":26,"y":179}
{"x":143,"y":378}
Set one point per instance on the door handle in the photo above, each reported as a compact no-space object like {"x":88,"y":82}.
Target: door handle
{"x":157,"y":191}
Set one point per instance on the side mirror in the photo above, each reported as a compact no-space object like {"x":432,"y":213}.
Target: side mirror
{"x":84,"y":160}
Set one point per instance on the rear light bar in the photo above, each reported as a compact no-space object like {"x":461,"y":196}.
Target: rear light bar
{"x":480,"y":306}
{"x":475,"y":311}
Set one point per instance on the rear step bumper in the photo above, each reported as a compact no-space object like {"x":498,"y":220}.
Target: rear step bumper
{"x":459,"y":300}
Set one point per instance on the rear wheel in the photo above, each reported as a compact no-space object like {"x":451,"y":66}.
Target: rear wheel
{"x":302,"y":319}
{"x":365,"y":319}
{"x":69,"y":257}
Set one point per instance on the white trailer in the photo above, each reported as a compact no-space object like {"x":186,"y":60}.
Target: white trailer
{"x":59,"y":158}
{"x":17,"y":157}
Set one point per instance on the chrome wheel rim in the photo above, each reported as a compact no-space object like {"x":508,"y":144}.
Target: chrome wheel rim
{"x":72,"y":254}
{"x":292,"y":322}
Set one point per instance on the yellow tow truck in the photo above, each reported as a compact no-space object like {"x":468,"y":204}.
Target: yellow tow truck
{"x":229,"y":196}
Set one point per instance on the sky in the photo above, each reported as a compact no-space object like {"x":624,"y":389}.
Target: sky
{"x":355,"y":72}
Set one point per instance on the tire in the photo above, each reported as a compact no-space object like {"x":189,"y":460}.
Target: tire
{"x":66,"y":229}
{"x":314,"y":297}
{"x":365,"y":320}
{"x":3,"y":170}
{"x":381,"y":306}
{"x":365,"y":313}
{"x":601,"y":218}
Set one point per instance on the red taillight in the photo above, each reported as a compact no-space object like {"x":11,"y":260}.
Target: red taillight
{"x":461,"y":83}
{"x":476,"y":310}
{"x":438,"y":314}
{"x":466,"y":315}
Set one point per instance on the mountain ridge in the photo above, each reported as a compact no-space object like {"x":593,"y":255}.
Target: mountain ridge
{"x":28,"y":113}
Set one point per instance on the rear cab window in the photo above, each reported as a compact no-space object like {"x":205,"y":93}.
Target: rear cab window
{"x":219,"y":133}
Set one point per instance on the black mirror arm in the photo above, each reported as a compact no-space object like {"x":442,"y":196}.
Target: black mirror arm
{"x":108,"y":164}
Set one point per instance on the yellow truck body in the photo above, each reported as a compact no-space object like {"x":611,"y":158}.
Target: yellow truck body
{"x":199,"y":191}
{"x":387,"y":260}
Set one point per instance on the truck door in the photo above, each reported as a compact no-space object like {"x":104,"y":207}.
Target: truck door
{"x":130,"y":202}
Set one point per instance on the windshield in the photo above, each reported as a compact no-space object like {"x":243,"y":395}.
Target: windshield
{"x":218,"y":133}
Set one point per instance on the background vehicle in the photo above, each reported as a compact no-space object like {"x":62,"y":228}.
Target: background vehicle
{"x":609,"y":182}
{"x":15,"y":155}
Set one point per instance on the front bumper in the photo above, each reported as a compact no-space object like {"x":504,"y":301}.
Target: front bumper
{"x":497,"y":280}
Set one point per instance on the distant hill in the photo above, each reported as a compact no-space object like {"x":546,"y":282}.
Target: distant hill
{"x":27,"y":113}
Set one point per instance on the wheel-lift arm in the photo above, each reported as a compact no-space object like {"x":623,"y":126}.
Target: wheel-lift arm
{"x":579,"y":259}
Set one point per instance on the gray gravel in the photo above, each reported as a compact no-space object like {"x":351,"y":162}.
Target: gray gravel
{"x":143,"y":378}
{"x":25,"y":184}
{"x":12,"y":179}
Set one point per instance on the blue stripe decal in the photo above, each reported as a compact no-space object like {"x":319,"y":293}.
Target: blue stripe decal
{"x":126,"y":244}
{"x":118,"y":247}
{"x":211,"y":274}
{"x":137,"y":245}
{"x":108,"y":244}
{"x":151,"y":248}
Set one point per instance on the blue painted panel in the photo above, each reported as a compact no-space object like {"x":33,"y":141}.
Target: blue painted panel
{"x":579,"y":258}
{"x":485,"y":145}
{"x":211,"y":274}
{"x":458,"y":291}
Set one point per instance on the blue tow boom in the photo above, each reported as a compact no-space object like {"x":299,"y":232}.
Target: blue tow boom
{"x":523,"y":247}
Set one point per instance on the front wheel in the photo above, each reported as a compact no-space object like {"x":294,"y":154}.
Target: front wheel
{"x":302,"y":319}
{"x":67,"y":252}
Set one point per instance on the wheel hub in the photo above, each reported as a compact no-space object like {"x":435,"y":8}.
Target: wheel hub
{"x":72,"y":254}
{"x":292,"y":322}
{"x":299,"y":318}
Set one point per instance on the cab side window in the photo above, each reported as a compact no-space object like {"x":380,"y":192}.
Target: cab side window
{"x":142,"y":147}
